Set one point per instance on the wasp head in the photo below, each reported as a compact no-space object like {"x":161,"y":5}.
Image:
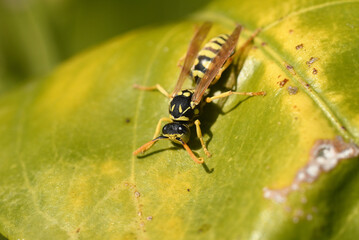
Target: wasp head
{"x":176,"y":132}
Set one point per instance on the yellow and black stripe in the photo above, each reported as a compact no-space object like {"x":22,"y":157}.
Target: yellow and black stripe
{"x":206,"y":56}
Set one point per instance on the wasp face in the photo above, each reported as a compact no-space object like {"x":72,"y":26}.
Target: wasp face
{"x":176,"y":132}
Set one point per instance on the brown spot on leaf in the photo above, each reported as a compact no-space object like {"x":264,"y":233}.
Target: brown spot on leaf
{"x":311,"y":61}
{"x":300,"y":46}
{"x":315,"y":71}
{"x":290,"y":68}
{"x":292,"y":90}
{"x":138,"y":204}
{"x":283,"y":82}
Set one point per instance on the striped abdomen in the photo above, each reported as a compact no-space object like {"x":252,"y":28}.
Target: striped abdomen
{"x":205,"y":57}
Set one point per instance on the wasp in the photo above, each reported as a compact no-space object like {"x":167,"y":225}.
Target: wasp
{"x":205,"y":66}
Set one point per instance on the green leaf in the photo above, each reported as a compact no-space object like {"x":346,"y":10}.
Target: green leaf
{"x":67,"y":169}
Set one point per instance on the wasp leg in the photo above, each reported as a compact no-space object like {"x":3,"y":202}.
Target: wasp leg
{"x":241,"y":54}
{"x":194,"y":158}
{"x":249,"y":41}
{"x":156,"y":87}
{"x":158,"y":128}
{"x":226,"y":94}
{"x":246,"y":44}
{"x":199,"y":135}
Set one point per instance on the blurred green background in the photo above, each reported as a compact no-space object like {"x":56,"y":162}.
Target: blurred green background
{"x":36,"y":35}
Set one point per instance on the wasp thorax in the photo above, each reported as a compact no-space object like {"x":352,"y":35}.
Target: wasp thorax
{"x":181,"y":108}
{"x":176,"y":132}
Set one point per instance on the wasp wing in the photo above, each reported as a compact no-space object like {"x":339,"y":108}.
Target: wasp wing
{"x":216,"y":65}
{"x":191,"y":55}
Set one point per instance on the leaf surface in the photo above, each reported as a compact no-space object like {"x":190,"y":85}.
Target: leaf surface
{"x":67,"y":168}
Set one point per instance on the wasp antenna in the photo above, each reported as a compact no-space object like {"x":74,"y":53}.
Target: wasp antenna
{"x":194,"y":158}
{"x":148,"y":145}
